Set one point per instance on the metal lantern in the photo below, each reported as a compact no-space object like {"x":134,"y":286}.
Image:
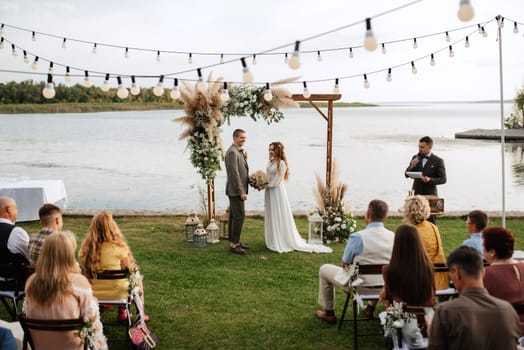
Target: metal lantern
{"x":212,"y":232}
{"x":315,"y":228}
{"x":200,"y":237}
{"x":191,"y":223}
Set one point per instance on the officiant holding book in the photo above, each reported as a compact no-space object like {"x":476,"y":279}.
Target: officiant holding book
{"x":426,"y":169}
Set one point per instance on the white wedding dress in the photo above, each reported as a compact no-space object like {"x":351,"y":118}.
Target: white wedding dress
{"x":280,"y":230}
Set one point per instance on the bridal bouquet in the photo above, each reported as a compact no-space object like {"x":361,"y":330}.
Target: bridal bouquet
{"x":258,"y":180}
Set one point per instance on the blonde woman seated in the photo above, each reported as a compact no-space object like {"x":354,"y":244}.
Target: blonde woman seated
{"x":57,"y":290}
{"x":416,"y":211}
{"x":104,"y":248}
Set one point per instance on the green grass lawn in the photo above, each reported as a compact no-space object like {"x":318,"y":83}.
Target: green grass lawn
{"x":207,"y":298}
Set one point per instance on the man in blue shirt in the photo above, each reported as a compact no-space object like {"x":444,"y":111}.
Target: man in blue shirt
{"x":372,"y":245}
{"x":476,"y":221}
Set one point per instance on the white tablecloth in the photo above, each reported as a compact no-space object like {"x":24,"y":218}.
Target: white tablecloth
{"x":31,"y":194}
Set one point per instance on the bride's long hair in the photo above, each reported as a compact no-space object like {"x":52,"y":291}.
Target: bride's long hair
{"x":281,"y":155}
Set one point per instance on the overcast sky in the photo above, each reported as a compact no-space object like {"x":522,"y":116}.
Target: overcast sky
{"x":240,"y":26}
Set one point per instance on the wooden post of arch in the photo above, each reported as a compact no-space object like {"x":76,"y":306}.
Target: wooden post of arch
{"x":329,"y":98}
{"x":210,"y":199}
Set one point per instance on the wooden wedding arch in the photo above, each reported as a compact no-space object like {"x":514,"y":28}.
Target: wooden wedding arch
{"x":329,"y":98}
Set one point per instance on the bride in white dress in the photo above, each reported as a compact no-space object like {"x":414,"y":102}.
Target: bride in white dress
{"x":280,"y":231}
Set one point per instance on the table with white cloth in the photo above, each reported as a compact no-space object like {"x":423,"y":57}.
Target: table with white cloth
{"x":31,"y":194}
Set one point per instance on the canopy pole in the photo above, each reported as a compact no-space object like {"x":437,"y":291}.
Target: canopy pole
{"x":502,"y":133}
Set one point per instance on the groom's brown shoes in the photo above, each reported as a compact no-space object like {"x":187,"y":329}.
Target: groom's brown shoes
{"x":245,"y":247}
{"x":237,"y":250}
{"x":324,"y":317}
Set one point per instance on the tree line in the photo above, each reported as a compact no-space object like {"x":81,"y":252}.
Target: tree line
{"x":31,"y":92}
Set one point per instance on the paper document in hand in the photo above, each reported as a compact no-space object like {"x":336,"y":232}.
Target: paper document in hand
{"x":415,"y":174}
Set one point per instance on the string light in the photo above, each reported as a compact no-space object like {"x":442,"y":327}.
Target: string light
{"x":67,"y":76}
{"x":319,"y":57}
{"x":336,"y":89}
{"x":306,"y":92}
{"x":33,"y":37}
{"x":366,"y":82}
{"x":221,"y":58}
{"x":34,"y":65}
{"x":26,"y":59}
{"x":383,"y":49}
{"x":2,"y":29}
{"x":370,"y":43}
{"x":50,"y":68}
{"x":466,"y":43}
{"x":224,"y":96}
{"x":122,"y":92}
{"x":13,"y":50}
{"x":94,"y":49}
{"x":388,"y":76}
{"x":158,"y":56}
{"x":246,"y":74}
{"x":268,"y":95}
{"x":135,"y":89}
{"x":351,"y":53}
{"x":200,"y":84}
{"x":49,"y":89}
{"x":515,"y":28}
{"x":105,"y":84}
{"x":1,"y":43}
{"x":448,"y":38}
{"x":126,"y":54}
{"x":413,"y":68}
{"x":175,"y":92}
{"x":484,"y":33}
{"x":415,"y":45}
{"x":87,"y":83}
{"x":479,"y":28}
{"x":502,"y":22}
{"x":254,"y":60}
{"x":294,"y":61}
{"x":64,"y":43}
{"x":432,"y":60}
{"x":158,"y":90}
{"x":451,"y":53}
{"x":190,"y":58}
{"x":465,"y":12}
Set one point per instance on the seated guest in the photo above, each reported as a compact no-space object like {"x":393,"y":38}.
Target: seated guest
{"x":504,"y":276}
{"x":51,"y":221}
{"x":474,"y":320}
{"x":7,"y":339}
{"x":408,"y":277}
{"x":14,"y":241}
{"x":416,"y":212}
{"x":104,"y":248}
{"x":476,"y":221}
{"x":57,"y":290}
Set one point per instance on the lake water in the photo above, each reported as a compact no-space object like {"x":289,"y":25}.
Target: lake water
{"x":134,"y":160}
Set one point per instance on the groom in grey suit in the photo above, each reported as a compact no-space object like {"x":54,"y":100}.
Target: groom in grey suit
{"x":236,"y":189}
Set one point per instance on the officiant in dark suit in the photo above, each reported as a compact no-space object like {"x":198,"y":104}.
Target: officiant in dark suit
{"x":430,"y":165}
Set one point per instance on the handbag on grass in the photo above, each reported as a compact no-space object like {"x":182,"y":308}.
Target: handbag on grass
{"x":140,"y":335}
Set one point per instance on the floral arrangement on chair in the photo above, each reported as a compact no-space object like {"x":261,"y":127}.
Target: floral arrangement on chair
{"x":338,"y":219}
{"x":401,"y":327}
{"x":258,"y":180}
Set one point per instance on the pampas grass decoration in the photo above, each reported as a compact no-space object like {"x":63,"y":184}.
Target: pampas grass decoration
{"x":329,"y":196}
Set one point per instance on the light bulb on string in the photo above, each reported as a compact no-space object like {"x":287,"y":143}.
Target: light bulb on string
{"x":366,"y":82}
{"x":190,"y":58}
{"x":247,"y":77}
{"x":2,"y":29}
{"x":221,"y":58}
{"x":268,"y":95}
{"x":254,"y":60}
{"x":64,"y":43}
{"x":448,"y":38}
{"x":466,"y":43}
{"x":13,"y":50}
{"x":479,"y":28}
{"x":175,"y":92}
{"x":389,"y":78}
{"x":126,"y":54}
{"x":135,"y":89}
{"x":1,"y":43}
{"x":351,"y":55}
{"x":306,"y":92}
{"x":50,"y":71}
{"x":415,"y":45}
{"x":370,"y":43}
{"x":158,"y":90}
{"x":294,"y":61}
{"x":413,"y":68}
{"x":34,"y":65}
{"x":286,"y":60}
{"x":26,"y":59}
{"x":484,"y":33}
{"x":200,"y":84}
{"x":451,"y":53}
{"x":336,"y":89}
{"x":49,"y":89}
{"x":122,"y":91}
{"x":33,"y":37}
{"x":465,"y":12}
{"x":158,"y":56}
{"x":67,"y":76}
{"x":319,"y":57}
{"x":515,"y":28}
{"x":87,"y":83}
{"x":224,"y":96}
{"x":105,"y":84}
{"x":432,"y":60}
{"x":383,"y":49}
{"x":502,"y":22}
{"x":94,"y":49}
